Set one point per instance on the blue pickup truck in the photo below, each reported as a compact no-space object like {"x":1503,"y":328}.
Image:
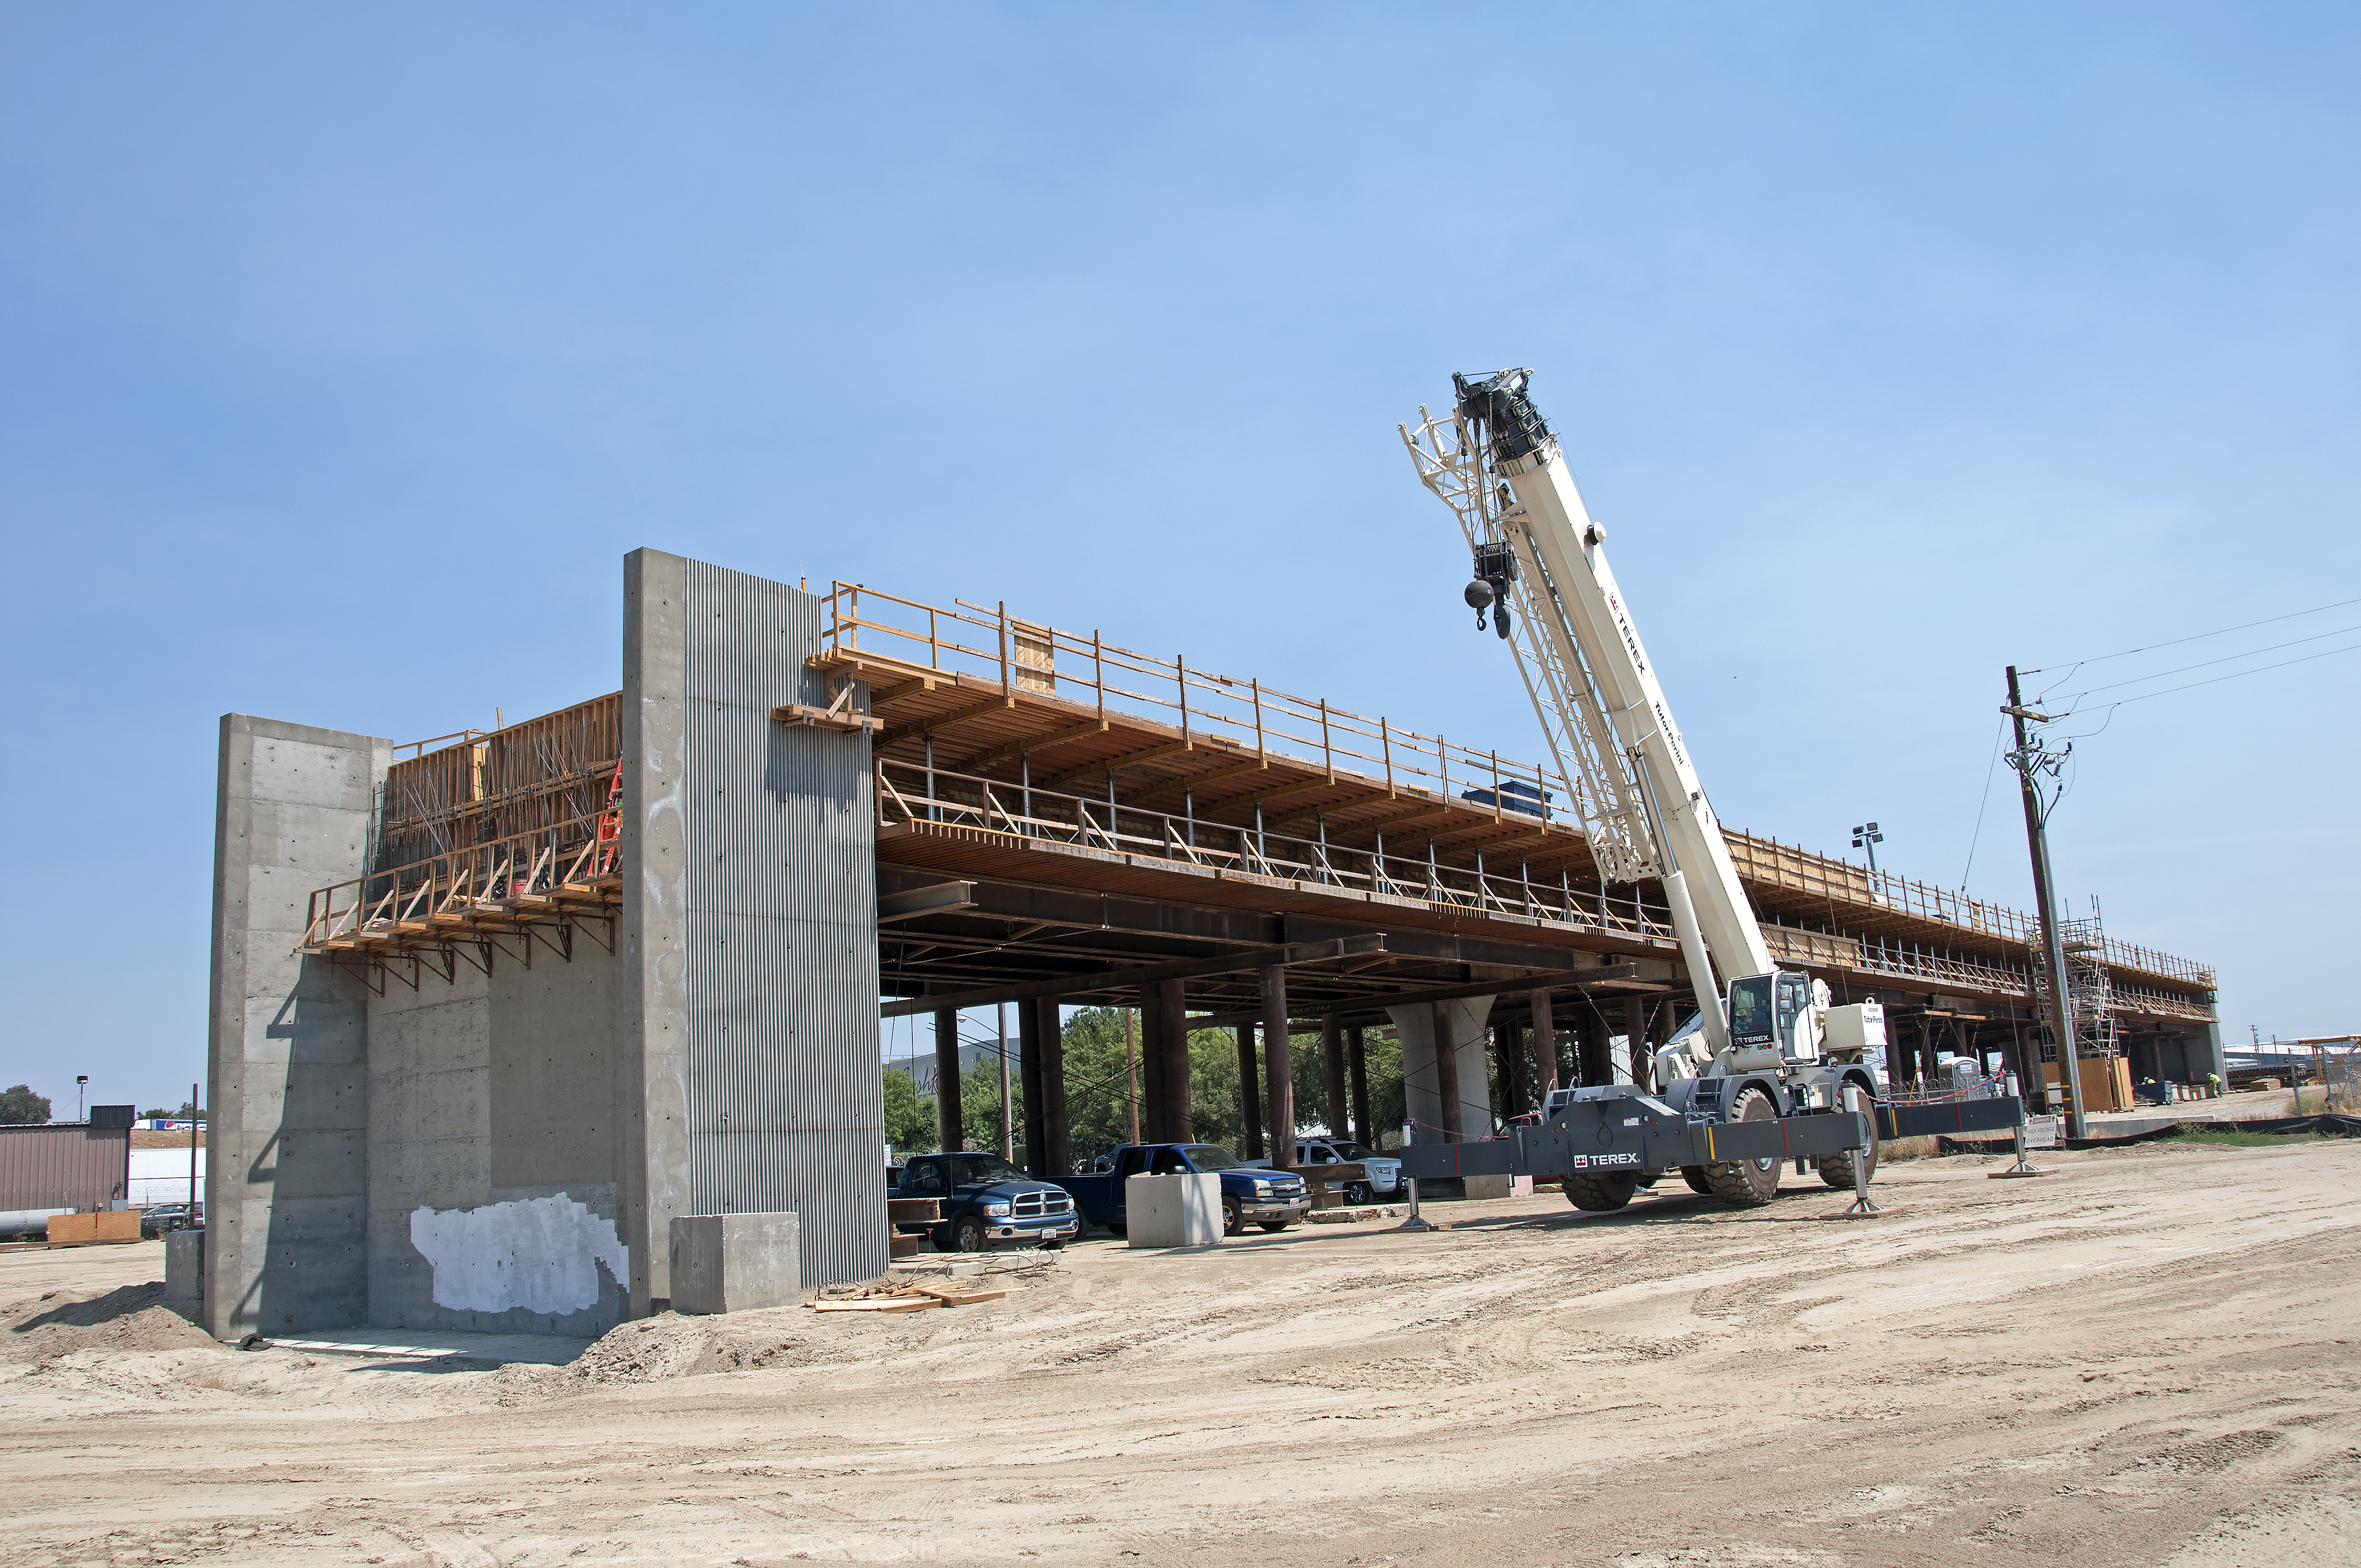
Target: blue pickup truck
{"x":984,"y":1200}
{"x":1271,"y":1198}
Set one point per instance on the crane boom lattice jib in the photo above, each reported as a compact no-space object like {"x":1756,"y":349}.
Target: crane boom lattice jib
{"x":1496,"y":464}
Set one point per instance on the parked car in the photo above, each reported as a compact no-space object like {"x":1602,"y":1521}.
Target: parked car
{"x":1273,"y":1199}
{"x":984,"y":1200}
{"x":161,"y":1217}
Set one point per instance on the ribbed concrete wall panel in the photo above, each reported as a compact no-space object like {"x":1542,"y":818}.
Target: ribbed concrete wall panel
{"x":784,"y":1105}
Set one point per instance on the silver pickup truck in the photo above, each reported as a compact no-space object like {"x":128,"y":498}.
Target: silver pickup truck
{"x":1384,"y":1173}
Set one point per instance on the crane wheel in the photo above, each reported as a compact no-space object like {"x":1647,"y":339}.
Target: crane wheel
{"x":1746,"y":1182}
{"x":1835,"y":1169}
{"x":1599,"y":1194}
{"x":1694,"y":1176}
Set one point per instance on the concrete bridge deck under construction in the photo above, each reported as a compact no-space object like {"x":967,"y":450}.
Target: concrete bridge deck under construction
{"x":660,"y":923}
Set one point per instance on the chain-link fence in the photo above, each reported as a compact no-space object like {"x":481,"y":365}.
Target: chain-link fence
{"x":2342,"y":1074}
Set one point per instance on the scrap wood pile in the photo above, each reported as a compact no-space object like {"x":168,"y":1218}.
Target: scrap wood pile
{"x":914,"y":1297}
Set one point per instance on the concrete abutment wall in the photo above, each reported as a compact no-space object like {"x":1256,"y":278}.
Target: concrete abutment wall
{"x":501,"y":1145}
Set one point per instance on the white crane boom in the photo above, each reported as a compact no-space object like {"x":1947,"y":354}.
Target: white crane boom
{"x":1620,"y":755}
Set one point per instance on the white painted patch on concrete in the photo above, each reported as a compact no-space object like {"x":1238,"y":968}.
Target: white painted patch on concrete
{"x":540,"y":1254}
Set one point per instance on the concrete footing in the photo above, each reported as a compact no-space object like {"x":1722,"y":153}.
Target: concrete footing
{"x":734,"y":1263}
{"x":1172,"y":1211}
{"x":184,"y":1269}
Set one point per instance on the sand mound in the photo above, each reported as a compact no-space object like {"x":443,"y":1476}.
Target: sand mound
{"x":674,"y":1345}
{"x":131,"y":1317}
{"x":643,"y":1350}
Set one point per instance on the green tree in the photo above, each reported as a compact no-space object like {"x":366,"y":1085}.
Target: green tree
{"x":909,"y":1119}
{"x":1381,"y":1060}
{"x":980,"y":1104}
{"x":153,"y":1116}
{"x":20,"y":1107}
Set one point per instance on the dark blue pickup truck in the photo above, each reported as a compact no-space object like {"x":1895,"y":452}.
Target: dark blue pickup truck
{"x":984,"y":1200}
{"x":1271,"y":1198}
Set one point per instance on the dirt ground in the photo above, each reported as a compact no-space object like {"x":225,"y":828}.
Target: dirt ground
{"x":2147,"y":1357}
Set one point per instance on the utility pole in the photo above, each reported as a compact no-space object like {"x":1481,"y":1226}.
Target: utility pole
{"x":2030,"y":760}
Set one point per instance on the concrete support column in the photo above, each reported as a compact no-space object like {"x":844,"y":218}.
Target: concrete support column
{"x":1152,"y":1128}
{"x":1057,"y":1155}
{"x":1635,"y":1039}
{"x":1449,"y":1111}
{"x":1544,"y":1045}
{"x":749,"y":866}
{"x":1278,"y":1094}
{"x":947,"y":1081}
{"x":2204,"y":1054}
{"x":1172,"y":1008}
{"x":1356,"y":1063}
{"x":1442,"y":1064}
{"x":1251,"y":1091}
{"x":1028,"y":1068}
{"x":287,"y":1183}
{"x":1332,"y":1059}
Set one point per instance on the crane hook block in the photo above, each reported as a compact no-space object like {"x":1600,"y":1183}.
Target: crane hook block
{"x":1478,"y":596}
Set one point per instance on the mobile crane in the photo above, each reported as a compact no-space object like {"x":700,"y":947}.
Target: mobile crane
{"x":1761,"y":1074}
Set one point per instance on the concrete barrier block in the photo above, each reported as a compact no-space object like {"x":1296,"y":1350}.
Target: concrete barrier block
{"x":184,"y":1267}
{"x":734,"y":1263}
{"x":1172,"y":1211}
{"x":1489,"y":1186}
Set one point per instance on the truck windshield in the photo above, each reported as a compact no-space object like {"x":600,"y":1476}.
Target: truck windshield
{"x":1750,"y":1012}
{"x":977,"y":1170}
{"x":1211,"y":1156}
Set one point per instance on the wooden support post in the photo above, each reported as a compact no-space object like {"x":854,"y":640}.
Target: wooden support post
{"x":1332,"y":1058}
{"x":1509,"y":1068}
{"x":947,"y":1081}
{"x":1131,"y":1074}
{"x":1279,"y":1093}
{"x":1544,"y":1045}
{"x":1446,"y":1070}
{"x":1056,"y":1150}
{"x":1152,"y":1068}
{"x":1179,"y":1117}
{"x":1250,"y":1091}
{"x":1028,"y":1069}
{"x":1356,"y":1062}
{"x":1594,"y":1044}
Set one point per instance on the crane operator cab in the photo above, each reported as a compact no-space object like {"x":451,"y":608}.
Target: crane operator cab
{"x":1777,"y":1021}
{"x":1778,"y":1012}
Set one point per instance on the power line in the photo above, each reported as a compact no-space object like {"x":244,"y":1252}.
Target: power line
{"x":2308,"y":658}
{"x":1982,"y":804}
{"x":2201,"y":636}
{"x":2203,"y":663}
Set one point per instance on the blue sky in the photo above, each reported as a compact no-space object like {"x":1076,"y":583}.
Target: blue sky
{"x":344,"y":353}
